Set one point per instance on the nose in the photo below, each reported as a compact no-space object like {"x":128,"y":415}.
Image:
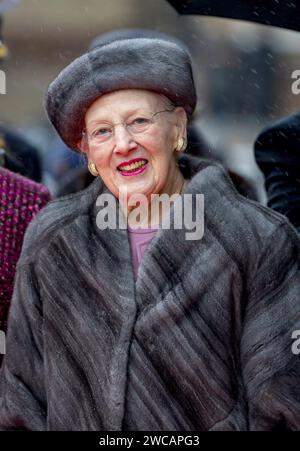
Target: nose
{"x":123,"y":140}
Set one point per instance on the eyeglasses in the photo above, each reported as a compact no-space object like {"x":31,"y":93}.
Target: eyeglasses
{"x":138,"y":124}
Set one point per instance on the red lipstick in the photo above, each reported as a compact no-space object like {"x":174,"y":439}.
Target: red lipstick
{"x":125,"y":163}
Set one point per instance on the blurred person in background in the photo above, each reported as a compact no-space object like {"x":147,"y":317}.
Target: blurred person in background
{"x":21,"y":197}
{"x":3,"y":48}
{"x":277,"y":152}
{"x":141,"y":328}
{"x":20,"y":200}
{"x":5,"y":5}
{"x":61,"y":166}
{"x":20,"y":156}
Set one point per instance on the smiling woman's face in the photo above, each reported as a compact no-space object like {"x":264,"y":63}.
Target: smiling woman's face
{"x":151,"y":146}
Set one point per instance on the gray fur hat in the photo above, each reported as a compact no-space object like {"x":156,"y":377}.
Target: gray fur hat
{"x":156,"y":64}
{"x":133,"y":33}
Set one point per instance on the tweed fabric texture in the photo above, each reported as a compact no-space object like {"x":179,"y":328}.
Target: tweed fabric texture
{"x":200,"y":341}
{"x":20,"y":200}
{"x":143,"y":63}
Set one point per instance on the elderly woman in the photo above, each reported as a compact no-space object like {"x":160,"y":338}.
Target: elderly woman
{"x":187,"y":335}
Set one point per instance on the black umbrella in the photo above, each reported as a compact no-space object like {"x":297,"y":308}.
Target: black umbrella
{"x":278,"y":13}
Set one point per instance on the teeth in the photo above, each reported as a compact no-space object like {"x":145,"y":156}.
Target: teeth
{"x":130,"y":167}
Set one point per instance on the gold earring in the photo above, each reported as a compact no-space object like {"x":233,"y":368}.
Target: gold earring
{"x":180,"y":145}
{"x":92,"y":168}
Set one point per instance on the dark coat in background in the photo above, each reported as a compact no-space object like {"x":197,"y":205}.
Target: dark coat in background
{"x":277,"y":152}
{"x":20,"y":156}
{"x":201,"y":340}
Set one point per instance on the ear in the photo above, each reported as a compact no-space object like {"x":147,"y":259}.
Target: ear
{"x":181,"y":122}
{"x":82,"y":146}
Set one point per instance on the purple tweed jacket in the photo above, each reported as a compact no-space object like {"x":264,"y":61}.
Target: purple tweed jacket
{"x":200,"y":341}
{"x":20,"y":200}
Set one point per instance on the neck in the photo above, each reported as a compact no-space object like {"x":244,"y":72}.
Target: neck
{"x":154,"y":212}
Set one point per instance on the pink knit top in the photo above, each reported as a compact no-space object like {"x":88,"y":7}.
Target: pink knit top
{"x":139,"y":240}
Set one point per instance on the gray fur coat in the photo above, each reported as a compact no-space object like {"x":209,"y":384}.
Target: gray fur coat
{"x":201,"y":341}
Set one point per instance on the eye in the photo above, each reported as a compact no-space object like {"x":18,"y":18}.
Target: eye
{"x":101,"y":132}
{"x":139,"y":124}
{"x":140,"y":121}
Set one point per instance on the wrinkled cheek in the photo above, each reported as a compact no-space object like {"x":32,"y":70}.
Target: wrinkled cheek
{"x":101,"y":160}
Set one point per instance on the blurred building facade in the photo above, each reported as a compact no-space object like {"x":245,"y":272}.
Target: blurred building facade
{"x":243,"y":71}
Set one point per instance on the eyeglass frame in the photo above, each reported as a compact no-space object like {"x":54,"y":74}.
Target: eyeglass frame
{"x":88,"y":135}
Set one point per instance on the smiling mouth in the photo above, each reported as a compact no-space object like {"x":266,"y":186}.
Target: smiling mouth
{"x":133,"y":167}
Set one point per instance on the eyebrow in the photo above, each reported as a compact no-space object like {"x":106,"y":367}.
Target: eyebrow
{"x":99,"y":121}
